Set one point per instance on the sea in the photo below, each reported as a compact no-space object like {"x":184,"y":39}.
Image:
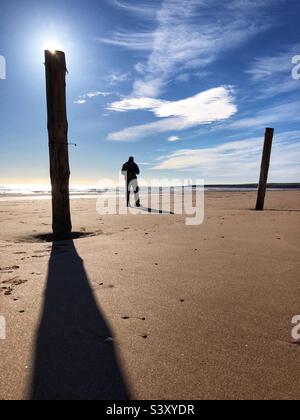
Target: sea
{"x":24,"y":192}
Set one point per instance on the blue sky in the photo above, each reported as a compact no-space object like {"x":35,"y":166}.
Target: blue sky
{"x":186,"y":86}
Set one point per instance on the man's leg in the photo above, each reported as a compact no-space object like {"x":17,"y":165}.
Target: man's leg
{"x":136,"y":193}
{"x":128,"y":186}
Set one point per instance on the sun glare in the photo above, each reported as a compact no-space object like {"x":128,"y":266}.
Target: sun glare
{"x":52,"y":46}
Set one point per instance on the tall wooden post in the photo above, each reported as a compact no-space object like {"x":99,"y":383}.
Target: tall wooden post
{"x":264,"y":172}
{"x":56,"y":69}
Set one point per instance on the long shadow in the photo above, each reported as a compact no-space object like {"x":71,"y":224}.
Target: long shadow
{"x":279,"y":210}
{"x":75,"y":357}
{"x":153,"y":211}
{"x":285,"y":210}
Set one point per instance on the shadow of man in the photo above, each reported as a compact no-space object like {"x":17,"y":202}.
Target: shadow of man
{"x":155,"y":211}
{"x":75,"y":357}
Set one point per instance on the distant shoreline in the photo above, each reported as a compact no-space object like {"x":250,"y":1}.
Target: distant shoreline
{"x":89,"y":193}
{"x":94,"y":194}
{"x":283,"y":186}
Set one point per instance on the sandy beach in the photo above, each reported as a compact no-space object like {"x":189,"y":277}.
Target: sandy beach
{"x":145,"y":307}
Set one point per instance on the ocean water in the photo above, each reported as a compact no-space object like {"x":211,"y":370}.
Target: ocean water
{"x":36,"y":190}
{"x":44,"y":191}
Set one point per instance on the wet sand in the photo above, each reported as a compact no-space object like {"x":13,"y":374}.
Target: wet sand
{"x":145,"y":307}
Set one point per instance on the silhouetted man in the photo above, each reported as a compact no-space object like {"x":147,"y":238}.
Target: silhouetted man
{"x":130,"y":170}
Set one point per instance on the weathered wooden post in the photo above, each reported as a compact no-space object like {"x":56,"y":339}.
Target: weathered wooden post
{"x":56,"y":69}
{"x":264,"y":172}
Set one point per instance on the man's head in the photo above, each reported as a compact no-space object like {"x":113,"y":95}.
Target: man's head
{"x":131,"y":159}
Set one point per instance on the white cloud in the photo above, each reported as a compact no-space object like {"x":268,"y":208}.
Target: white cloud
{"x":206,"y":107}
{"x":135,"y":7}
{"x":115,"y":78}
{"x":95,"y":94}
{"x":269,"y":66}
{"x":133,"y":104}
{"x":83,"y":98}
{"x":239,"y":161}
{"x":278,"y":86}
{"x":288,"y":112}
{"x":184,"y":77}
{"x":173,"y":139}
{"x":189,"y":34}
{"x":142,"y":41}
{"x":273,"y":73}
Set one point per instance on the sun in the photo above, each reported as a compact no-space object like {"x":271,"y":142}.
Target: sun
{"x":52,"y":45}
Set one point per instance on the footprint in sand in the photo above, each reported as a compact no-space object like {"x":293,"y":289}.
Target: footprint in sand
{"x":9,"y":269}
{"x":16,"y":281}
{"x":133,"y":317}
{"x":9,"y":285}
{"x":110,"y":286}
{"x":7,"y":291}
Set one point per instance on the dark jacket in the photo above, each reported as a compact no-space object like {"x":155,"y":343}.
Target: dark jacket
{"x":131,"y":170}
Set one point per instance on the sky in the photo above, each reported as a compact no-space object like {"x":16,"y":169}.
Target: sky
{"x":185,"y":86}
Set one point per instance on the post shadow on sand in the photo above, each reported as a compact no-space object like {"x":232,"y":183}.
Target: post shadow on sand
{"x":153,"y":211}
{"x":279,"y":210}
{"x":74,"y":360}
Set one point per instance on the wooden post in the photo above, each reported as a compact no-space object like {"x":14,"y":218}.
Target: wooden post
{"x":149,"y":199}
{"x":264,"y":172}
{"x":56,"y":69}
